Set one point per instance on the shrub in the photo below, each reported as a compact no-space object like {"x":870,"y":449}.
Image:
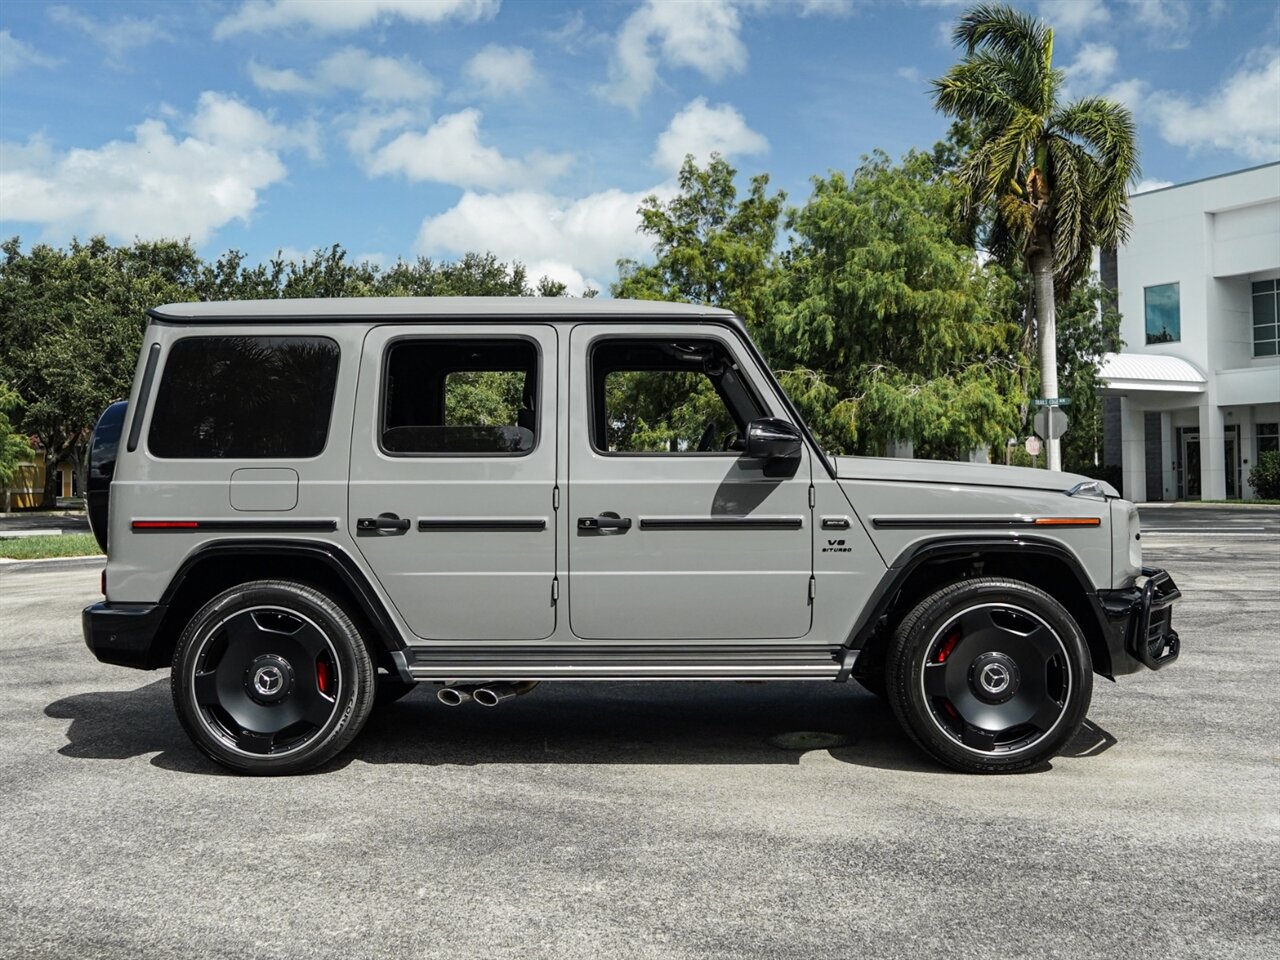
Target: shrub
{"x":1264,"y":477}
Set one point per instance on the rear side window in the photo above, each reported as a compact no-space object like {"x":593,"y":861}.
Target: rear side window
{"x":460,"y":397}
{"x":245,"y":398}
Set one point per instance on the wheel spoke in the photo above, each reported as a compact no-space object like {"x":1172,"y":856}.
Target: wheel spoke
{"x":1046,"y":716}
{"x":206,"y":687}
{"x":977,"y":738}
{"x":935,"y":679}
{"x":315,"y":708}
{"x":976,"y":621}
{"x":311,"y":640}
{"x":255,"y":742}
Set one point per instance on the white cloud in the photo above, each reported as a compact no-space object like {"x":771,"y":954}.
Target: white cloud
{"x":381,"y":79}
{"x":15,"y":55}
{"x":702,"y":36}
{"x":700,"y":129}
{"x":155,"y":185}
{"x":577,"y":241}
{"x":501,"y":71}
{"x":120,"y":37}
{"x":1073,"y":16}
{"x":1167,"y":22}
{"x":1240,"y":116}
{"x":1094,"y":64}
{"x":910,"y":74}
{"x":336,"y":16}
{"x":1148,"y":184}
{"x":450,"y":151}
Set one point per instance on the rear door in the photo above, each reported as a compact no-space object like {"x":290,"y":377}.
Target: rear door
{"x":673,"y":533}
{"x":453,"y":470}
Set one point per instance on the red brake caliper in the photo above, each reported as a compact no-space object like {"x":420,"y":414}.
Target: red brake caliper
{"x":323,"y":677}
{"x":944,"y":651}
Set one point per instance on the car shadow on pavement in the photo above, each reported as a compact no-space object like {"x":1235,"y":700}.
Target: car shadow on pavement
{"x":561,"y":723}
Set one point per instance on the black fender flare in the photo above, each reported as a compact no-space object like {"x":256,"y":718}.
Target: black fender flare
{"x":333,"y":557}
{"x":933,"y":550}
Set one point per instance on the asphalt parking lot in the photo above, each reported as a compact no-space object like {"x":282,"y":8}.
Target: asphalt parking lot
{"x":654,"y":820}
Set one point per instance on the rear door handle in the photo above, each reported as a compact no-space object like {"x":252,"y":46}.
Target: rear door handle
{"x":605,"y":521}
{"x":383,"y":522}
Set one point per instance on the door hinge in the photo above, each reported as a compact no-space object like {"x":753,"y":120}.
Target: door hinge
{"x":813,"y":589}
{"x":555,"y":498}
{"x":555,"y":589}
{"x":813,"y":497}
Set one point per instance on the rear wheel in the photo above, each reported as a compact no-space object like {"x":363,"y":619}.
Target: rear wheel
{"x":990,"y":675}
{"x":272,"y":677}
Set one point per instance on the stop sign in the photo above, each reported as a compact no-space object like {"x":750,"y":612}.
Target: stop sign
{"x":1033,"y":446}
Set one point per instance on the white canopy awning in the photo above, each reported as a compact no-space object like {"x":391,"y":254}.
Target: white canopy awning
{"x":1150,"y":373}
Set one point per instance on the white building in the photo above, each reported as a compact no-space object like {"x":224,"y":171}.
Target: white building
{"x":1199,"y":378}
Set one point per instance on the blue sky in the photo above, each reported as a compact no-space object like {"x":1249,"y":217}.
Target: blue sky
{"x":401,"y":128}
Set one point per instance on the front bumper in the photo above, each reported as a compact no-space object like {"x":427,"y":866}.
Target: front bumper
{"x":1139,"y":623}
{"x":125,"y":633}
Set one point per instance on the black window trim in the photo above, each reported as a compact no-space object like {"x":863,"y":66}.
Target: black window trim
{"x":167,"y":356}
{"x":594,"y":411}
{"x":380,"y":412}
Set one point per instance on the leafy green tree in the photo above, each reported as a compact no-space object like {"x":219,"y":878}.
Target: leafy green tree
{"x":1052,"y":178}
{"x":711,"y":248}
{"x":70,"y":326}
{"x":15,"y":449}
{"x":1088,"y":327}
{"x":889,"y":329}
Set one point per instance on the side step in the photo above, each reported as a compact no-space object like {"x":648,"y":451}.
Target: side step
{"x":621,"y":663}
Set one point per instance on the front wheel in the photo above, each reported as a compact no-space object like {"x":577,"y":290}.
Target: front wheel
{"x":272,"y":677}
{"x":990,"y":675}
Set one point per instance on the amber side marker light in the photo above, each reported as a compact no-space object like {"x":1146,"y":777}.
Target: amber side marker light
{"x":1068,"y":522}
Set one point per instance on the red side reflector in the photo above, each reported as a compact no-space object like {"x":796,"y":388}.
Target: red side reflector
{"x":1068,"y":522}
{"x":165,"y":524}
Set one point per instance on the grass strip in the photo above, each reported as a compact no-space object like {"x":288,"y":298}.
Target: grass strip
{"x":41,"y":548}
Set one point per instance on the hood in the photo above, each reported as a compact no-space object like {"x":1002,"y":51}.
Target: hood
{"x":945,"y":471}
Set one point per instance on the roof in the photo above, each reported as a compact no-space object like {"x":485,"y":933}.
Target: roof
{"x":463,"y":309}
{"x":1123,"y":372}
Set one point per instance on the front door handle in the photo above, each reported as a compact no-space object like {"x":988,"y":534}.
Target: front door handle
{"x":605,"y":521}
{"x":387,"y":522}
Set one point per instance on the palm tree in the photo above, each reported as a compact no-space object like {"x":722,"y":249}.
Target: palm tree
{"x":1052,"y":179}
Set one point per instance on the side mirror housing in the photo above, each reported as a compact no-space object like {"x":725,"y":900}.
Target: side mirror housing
{"x":772,"y":439}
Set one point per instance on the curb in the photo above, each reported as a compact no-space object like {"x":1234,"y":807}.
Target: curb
{"x":50,"y":565}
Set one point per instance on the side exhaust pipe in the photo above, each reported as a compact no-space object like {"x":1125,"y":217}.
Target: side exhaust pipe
{"x":456,"y":696}
{"x":495,"y":693}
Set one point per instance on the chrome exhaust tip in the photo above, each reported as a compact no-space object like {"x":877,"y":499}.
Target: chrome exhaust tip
{"x":454,"y":696}
{"x":495,"y":693}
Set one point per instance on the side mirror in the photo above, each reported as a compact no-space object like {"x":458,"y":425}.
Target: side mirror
{"x":771,"y":439}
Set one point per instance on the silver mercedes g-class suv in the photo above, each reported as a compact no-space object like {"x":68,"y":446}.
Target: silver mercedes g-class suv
{"x":311,"y":505}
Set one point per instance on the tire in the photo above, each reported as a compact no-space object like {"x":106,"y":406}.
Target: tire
{"x":990,"y":675}
{"x":272,"y":677}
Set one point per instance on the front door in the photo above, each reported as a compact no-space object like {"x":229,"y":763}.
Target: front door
{"x":1231,"y":458}
{"x":673,"y":534}
{"x":453,"y":470}
{"x":1191,"y":464}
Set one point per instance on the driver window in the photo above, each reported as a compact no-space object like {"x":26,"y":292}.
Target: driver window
{"x":668,"y":397}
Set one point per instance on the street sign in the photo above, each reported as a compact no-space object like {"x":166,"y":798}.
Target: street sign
{"x":1050,"y":422}
{"x":1033,"y":446}
{"x":1051,"y":402}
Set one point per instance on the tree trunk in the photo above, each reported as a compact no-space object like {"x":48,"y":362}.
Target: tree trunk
{"x":1047,"y":331}
{"x":52,"y":457}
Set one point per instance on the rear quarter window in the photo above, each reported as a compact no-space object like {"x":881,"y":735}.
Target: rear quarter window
{"x":245,"y":398}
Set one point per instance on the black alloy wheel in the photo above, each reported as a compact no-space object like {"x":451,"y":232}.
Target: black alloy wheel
{"x":990,"y":675}
{"x":272,"y":677}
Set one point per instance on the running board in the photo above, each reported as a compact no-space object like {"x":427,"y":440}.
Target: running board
{"x":620,"y":663}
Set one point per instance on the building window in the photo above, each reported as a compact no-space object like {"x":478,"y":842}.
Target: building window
{"x":1265,"y":317}
{"x":1268,"y":435}
{"x":1164,"y":318}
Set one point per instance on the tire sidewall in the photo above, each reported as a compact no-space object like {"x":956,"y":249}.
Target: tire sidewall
{"x":910,"y":649}
{"x":355,"y":695}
